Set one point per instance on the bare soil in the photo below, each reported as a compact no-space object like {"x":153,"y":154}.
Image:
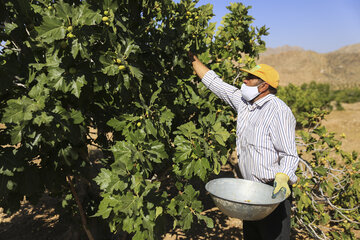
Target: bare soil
{"x":346,"y":122}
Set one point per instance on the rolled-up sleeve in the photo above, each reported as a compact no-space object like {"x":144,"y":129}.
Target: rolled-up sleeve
{"x":230,"y":94}
{"x":283,"y":133}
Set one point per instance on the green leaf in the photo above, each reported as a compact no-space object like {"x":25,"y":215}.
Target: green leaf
{"x":167,"y":117}
{"x":126,"y":81}
{"x":136,"y":182}
{"x":123,"y":153}
{"x":320,"y":130}
{"x":149,"y":127}
{"x":77,"y":85}
{"x":209,"y":222}
{"x":154,"y":96}
{"x":19,"y":110}
{"x":104,"y":210}
{"x":76,"y":116}
{"x":158,"y":150}
{"x":217,"y":167}
{"x":335,"y":235}
{"x":68,"y":154}
{"x":10,"y":185}
{"x":43,"y":119}
{"x":119,"y":168}
{"x":110,"y":4}
{"x":135,"y":72}
{"x":9,"y":27}
{"x":321,"y":170}
{"x":77,"y":47}
{"x":127,"y":203}
{"x":63,"y":9}
{"x":53,"y":62}
{"x":183,"y":149}
{"x":130,"y":48}
{"x":16,"y":134}
{"x":190,"y":193}
{"x":38,"y":90}
{"x":129,"y":224}
{"x":103,"y":179}
{"x":188,"y":169}
{"x":159,"y":211}
{"x":201,"y":167}
{"x":325,"y":218}
{"x":198,"y":150}
{"x":116,"y":124}
{"x":61,"y":85}
{"x":52,"y":29}
{"x":139,"y":235}
{"x":330,"y":188}
{"x":83,"y":15}
{"x":221,"y":134}
{"x":111,"y":70}
{"x":189,"y":130}
{"x":188,"y":221}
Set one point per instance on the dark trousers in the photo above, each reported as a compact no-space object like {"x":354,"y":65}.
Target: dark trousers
{"x":276,"y":226}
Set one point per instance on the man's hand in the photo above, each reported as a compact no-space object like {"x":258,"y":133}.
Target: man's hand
{"x":281,"y":184}
{"x":191,"y":56}
{"x":198,"y":66}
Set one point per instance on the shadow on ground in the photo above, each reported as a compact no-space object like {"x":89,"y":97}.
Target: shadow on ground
{"x":39,"y":222}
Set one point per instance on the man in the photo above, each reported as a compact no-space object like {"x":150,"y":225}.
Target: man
{"x":265,"y":140}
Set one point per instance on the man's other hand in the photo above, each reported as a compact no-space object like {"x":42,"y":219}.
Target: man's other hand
{"x":281,"y":184}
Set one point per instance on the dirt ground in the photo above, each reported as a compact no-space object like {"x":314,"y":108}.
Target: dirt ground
{"x":41,"y":222}
{"x":346,"y":122}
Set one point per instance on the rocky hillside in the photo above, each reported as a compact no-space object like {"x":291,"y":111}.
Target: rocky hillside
{"x":341,"y":68}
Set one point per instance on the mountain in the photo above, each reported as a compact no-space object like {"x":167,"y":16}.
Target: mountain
{"x":355,"y":48}
{"x":285,"y":48}
{"x":340,"y":68}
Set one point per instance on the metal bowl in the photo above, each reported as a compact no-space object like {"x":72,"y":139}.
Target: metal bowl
{"x":243,"y":199}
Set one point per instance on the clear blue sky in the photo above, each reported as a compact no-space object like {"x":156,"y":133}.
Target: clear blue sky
{"x":317,"y":25}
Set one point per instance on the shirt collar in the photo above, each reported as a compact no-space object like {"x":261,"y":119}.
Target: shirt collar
{"x":259,"y":103}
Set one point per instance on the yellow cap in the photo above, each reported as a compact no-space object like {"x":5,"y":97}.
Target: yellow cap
{"x":266,"y":73}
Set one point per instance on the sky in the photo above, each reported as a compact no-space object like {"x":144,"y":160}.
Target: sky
{"x":318,"y":25}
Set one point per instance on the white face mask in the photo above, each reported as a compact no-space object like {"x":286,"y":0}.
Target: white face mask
{"x":249,"y":93}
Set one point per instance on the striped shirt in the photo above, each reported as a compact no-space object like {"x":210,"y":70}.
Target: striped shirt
{"x":265,"y":132}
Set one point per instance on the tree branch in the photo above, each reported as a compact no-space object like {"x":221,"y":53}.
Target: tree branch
{"x":81,"y":210}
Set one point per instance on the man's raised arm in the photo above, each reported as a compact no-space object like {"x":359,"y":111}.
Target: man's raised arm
{"x":230,"y":94}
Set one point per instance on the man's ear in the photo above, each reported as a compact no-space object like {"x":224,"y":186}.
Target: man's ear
{"x":263,"y":87}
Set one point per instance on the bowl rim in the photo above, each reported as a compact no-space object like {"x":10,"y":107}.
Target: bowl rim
{"x":281,"y":198}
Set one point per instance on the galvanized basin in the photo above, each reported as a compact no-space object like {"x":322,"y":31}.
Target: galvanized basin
{"x":243,"y":199}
